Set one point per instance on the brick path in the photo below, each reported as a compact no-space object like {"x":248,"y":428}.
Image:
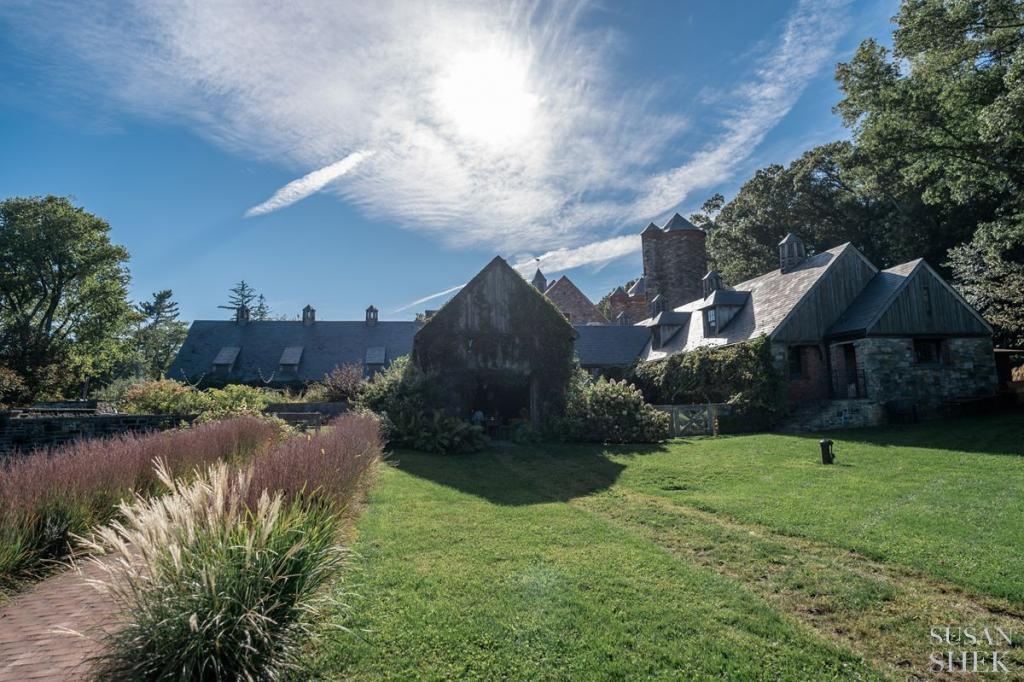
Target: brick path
{"x":34,"y":642}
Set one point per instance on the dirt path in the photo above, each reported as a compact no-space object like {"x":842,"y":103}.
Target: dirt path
{"x":37,"y":626}
{"x":883,"y":612}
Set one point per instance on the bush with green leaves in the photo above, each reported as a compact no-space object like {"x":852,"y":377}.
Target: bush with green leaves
{"x":608,"y":411}
{"x":741,"y":375}
{"x":236,"y":399}
{"x":165,"y":396}
{"x":12,"y":388}
{"x":342,"y":383}
{"x":402,"y":396}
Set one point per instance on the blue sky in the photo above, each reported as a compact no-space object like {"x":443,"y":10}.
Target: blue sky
{"x":347,"y":154}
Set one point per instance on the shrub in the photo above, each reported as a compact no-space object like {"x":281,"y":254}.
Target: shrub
{"x":165,"y":396}
{"x":115,"y":391}
{"x":403,"y":395}
{"x":234,"y":400}
{"x":342,"y":383}
{"x":224,"y":577}
{"x":50,"y":495}
{"x":12,"y":388}
{"x":1017,"y":373}
{"x":742,"y":375}
{"x":609,"y":411}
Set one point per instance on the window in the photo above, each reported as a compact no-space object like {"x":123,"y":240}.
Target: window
{"x":926,"y":296}
{"x":796,"y":362}
{"x":712,"y":317}
{"x":928,"y":351}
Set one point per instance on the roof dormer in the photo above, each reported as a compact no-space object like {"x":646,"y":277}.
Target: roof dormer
{"x":791,"y":252}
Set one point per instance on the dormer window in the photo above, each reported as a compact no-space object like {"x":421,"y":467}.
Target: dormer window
{"x":290,"y":359}
{"x":712,"y":320}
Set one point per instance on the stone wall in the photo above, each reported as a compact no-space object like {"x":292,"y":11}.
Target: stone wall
{"x":835,"y":414}
{"x":891,"y":371}
{"x":31,"y":433}
{"x":674,"y":263}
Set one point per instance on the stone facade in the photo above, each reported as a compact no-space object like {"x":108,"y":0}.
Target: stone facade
{"x":835,"y":414}
{"x":809,"y":381}
{"x":891,"y":370}
{"x":633,"y":308}
{"x":674,"y":263}
{"x":573,"y":303}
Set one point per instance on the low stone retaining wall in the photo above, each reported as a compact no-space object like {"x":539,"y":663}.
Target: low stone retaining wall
{"x":32,"y":433}
{"x":328,"y":410}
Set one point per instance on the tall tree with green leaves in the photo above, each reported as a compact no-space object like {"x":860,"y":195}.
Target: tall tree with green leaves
{"x":159,"y":334}
{"x":63,"y":295}
{"x":944,"y":111}
{"x":241,"y":295}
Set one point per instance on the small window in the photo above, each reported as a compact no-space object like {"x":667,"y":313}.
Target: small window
{"x":796,"y":362}
{"x":712,"y":321}
{"x":926,"y":296}
{"x":927,"y":351}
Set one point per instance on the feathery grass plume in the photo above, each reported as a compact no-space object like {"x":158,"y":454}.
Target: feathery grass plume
{"x":48,"y":496}
{"x":224,"y":577}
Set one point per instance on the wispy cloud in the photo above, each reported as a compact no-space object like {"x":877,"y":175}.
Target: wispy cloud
{"x":594,"y":253}
{"x":297,"y":190}
{"x":503,"y":125}
{"x":431,"y":297}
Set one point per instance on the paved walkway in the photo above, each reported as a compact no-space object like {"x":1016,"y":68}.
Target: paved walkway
{"x":36,"y":640}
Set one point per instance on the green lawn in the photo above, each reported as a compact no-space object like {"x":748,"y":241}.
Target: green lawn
{"x":736,"y":557}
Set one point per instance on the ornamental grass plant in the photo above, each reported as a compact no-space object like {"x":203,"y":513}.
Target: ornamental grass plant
{"x":223,"y":578}
{"x":51,"y":495}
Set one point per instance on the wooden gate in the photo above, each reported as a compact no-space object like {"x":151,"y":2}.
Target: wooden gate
{"x":691,"y":420}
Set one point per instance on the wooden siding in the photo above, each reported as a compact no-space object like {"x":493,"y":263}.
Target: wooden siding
{"x":827,"y":300}
{"x":907,"y":314}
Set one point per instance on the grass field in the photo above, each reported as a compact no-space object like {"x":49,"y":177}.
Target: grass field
{"x":737,"y":557}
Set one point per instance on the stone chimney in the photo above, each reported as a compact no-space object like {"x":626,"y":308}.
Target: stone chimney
{"x":242,"y":314}
{"x":371,"y":316}
{"x":308,"y":315}
{"x":674,"y":257}
{"x":711,"y":282}
{"x":791,"y":252}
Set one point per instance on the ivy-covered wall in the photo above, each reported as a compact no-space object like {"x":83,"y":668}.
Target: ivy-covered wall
{"x":497,"y":330}
{"x":742,"y":375}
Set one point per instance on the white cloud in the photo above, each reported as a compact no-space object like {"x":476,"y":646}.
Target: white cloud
{"x":297,"y":190}
{"x":431,"y":297}
{"x":503,"y":125}
{"x":595,"y":253}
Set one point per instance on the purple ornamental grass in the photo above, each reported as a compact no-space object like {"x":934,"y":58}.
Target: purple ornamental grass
{"x":49,"y":495}
{"x":332,"y":464}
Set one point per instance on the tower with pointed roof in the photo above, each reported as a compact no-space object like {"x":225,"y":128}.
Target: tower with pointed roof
{"x":539,"y":281}
{"x":675,"y":260}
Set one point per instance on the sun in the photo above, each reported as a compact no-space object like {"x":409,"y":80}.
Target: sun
{"x":485,"y":95}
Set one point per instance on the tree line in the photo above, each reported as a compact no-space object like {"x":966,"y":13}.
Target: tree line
{"x":67,"y":325}
{"x":934,"y":166}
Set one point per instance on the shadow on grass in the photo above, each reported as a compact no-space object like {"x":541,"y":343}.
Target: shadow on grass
{"x":1000,"y":433}
{"x":522,"y":475}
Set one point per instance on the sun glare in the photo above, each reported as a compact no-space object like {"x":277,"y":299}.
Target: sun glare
{"x":485,"y":94}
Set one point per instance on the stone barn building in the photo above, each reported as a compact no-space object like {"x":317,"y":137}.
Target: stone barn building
{"x":849,"y":339}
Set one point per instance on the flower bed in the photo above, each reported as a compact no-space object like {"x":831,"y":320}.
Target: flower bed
{"x":223,"y":578}
{"x":51,"y":495}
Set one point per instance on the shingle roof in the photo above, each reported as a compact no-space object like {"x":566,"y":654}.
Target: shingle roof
{"x":726,"y":297}
{"x":678,"y":222}
{"x":876,"y":296}
{"x":610,"y":344}
{"x":639,"y":288}
{"x":259,"y":348}
{"x":325,"y":345}
{"x":772,"y":296}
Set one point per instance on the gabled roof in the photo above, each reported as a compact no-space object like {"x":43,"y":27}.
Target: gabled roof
{"x":667,"y":317}
{"x":639,"y":288}
{"x":604,"y":345}
{"x":874,"y":299}
{"x":772,"y":297}
{"x":726,"y":297}
{"x":678,"y":222}
{"x":569,"y":299}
